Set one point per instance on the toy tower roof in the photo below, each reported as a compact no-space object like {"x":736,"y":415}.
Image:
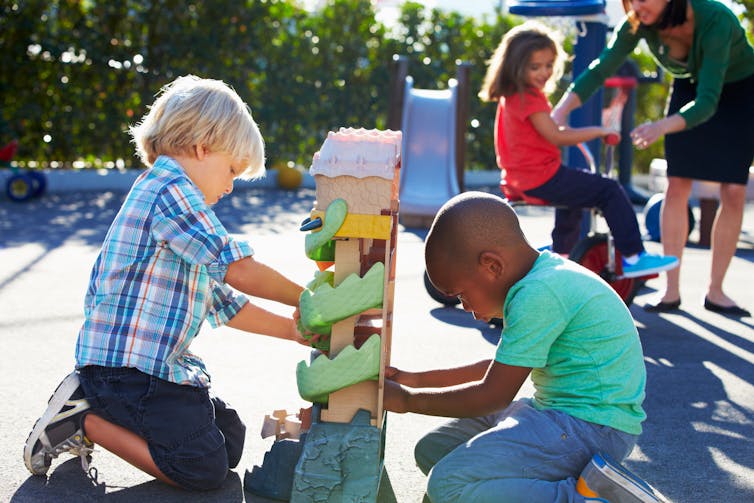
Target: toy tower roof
{"x":359,"y":153}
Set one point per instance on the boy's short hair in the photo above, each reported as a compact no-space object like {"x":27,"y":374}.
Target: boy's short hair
{"x":193,"y":111}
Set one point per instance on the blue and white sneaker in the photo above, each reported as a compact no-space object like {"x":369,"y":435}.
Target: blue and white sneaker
{"x":60,"y":429}
{"x":605,"y":480}
{"x":648,"y":263}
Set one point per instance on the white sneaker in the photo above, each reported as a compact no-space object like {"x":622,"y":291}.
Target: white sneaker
{"x":605,"y":480}
{"x":60,"y":429}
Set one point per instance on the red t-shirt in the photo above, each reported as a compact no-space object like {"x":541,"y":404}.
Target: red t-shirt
{"x":527,"y":158}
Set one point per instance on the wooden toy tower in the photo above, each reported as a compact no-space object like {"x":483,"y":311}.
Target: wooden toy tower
{"x":361,"y":167}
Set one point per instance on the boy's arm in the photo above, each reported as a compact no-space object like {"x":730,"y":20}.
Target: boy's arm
{"x":493,"y":392}
{"x":550,"y":131}
{"x":439,"y":378}
{"x":251,"y":318}
{"x":254,"y":278}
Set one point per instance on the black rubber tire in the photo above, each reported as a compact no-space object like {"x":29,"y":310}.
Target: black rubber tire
{"x":591,"y":252}
{"x":19,"y":187}
{"x":39,"y":182}
{"x":437,"y":294}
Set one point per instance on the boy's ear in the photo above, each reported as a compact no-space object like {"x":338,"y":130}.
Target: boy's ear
{"x":492,"y":263}
{"x":200,"y":151}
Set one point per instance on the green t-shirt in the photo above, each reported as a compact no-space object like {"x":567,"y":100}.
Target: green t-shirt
{"x":719,"y":54}
{"x":580,"y":340}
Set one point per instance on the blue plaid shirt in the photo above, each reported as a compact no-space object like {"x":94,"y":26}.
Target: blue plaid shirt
{"x":158,"y":276}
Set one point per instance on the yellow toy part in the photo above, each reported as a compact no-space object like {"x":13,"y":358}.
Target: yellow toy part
{"x":362,"y":226}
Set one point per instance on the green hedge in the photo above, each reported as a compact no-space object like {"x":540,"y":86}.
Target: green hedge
{"x":75,"y":74}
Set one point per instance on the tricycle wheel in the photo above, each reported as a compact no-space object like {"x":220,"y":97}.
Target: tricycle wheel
{"x":39,"y":182}
{"x":591,"y":252}
{"x":20,"y":187}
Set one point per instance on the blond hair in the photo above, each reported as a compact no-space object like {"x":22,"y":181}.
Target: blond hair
{"x":506,"y":69}
{"x":192,"y":111}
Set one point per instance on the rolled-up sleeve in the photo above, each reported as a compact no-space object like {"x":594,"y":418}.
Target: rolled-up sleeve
{"x":192,"y":231}
{"x":225,"y":304}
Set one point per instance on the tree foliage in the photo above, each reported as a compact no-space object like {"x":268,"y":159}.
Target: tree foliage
{"x":74,"y":74}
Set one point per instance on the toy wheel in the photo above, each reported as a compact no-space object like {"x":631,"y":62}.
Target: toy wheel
{"x":591,"y":253}
{"x":437,"y":294}
{"x":652,"y":217}
{"x":39,"y":182}
{"x":20,"y":187}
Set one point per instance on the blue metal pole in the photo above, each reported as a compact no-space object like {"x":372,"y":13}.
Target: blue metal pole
{"x":589,"y":45}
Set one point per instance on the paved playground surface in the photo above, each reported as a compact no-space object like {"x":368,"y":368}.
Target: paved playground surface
{"x":697,"y":444}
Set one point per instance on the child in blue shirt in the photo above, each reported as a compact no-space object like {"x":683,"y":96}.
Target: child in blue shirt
{"x":166,"y":265}
{"x":564,"y":327}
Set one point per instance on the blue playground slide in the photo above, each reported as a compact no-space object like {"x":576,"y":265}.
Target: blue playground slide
{"x":428,"y":164}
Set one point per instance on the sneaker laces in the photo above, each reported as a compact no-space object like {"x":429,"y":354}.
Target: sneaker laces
{"x":84,"y":453}
{"x":78,"y":445}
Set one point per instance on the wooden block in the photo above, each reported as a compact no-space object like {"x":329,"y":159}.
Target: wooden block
{"x":344,"y":403}
{"x":341,"y":335}
{"x":347,"y":258}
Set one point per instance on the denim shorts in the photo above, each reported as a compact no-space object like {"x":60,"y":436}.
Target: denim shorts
{"x":193,"y":437}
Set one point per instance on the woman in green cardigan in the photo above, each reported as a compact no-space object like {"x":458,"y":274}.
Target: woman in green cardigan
{"x":709,"y":125}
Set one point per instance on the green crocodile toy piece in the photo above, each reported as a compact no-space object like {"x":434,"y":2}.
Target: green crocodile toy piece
{"x":349,"y":367}
{"x":317,"y":244}
{"x":325,"y":305}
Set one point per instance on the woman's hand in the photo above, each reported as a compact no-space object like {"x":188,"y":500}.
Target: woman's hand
{"x":649,"y":132}
{"x":646,"y":134}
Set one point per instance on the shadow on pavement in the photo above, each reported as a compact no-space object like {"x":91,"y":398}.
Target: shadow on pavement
{"x":86,"y":216}
{"x":68,"y":482}
{"x":698,"y":403}
{"x":460,"y":318}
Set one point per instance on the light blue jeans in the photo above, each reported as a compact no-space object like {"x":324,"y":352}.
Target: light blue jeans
{"x":519,"y":454}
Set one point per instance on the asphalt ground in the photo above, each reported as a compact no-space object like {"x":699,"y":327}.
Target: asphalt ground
{"x":697,"y":444}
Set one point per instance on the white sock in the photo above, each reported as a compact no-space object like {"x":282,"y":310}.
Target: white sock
{"x":632,"y":259}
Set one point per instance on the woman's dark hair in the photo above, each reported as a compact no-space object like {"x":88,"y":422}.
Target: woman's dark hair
{"x":673,"y":15}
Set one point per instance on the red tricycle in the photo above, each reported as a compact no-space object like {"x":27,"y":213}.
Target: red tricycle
{"x":21,"y":186}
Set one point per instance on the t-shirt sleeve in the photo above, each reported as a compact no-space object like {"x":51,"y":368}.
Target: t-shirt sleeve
{"x":521,"y":106}
{"x":534,"y":318}
{"x":192,"y":231}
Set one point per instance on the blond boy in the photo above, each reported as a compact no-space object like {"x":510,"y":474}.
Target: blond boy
{"x":166,"y":266}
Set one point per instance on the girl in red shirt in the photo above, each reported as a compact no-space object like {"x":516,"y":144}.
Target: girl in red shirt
{"x":527,"y":144}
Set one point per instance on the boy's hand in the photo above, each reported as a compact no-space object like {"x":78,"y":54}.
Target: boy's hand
{"x":400,"y":376}
{"x":305,"y":338}
{"x":395,"y":397}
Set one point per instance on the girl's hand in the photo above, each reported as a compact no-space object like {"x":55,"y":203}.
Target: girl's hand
{"x":611,"y":136}
{"x":646,"y":134}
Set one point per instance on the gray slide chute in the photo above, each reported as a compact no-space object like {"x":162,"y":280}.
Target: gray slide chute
{"x":428,"y":166}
